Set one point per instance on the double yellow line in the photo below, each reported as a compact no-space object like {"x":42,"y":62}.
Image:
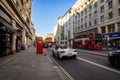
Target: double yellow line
{"x":63,"y":70}
{"x":66,"y":73}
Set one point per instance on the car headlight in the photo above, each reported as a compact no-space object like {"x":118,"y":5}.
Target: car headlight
{"x":110,"y":53}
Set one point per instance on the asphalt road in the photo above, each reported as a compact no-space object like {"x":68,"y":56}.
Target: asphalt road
{"x":89,"y":67}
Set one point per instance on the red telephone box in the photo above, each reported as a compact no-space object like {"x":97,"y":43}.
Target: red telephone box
{"x":39,"y":45}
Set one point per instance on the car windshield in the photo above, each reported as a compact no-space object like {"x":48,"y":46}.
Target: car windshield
{"x":62,"y":46}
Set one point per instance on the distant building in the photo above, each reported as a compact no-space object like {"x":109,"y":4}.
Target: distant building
{"x":50,"y":35}
{"x":85,"y":16}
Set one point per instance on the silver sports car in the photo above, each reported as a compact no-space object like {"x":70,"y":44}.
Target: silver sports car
{"x":62,"y":52}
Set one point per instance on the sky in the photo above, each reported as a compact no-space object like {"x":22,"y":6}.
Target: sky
{"x":45,"y":14}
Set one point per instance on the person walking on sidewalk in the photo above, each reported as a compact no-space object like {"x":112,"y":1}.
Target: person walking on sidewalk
{"x":45,"y":52}
{"x":113,"y":45}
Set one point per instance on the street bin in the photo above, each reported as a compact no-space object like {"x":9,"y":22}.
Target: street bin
{"x":39,"y":45}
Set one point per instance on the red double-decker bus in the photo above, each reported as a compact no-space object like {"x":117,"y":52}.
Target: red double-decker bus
{"x":92,"y":41}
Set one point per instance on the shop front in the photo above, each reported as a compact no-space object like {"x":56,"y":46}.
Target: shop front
{"x":5,"y":41}
{"x":110,"y":39}
{"x":7,"y":37}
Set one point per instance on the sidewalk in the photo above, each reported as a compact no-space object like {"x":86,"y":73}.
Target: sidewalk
{"x":27,"y":65}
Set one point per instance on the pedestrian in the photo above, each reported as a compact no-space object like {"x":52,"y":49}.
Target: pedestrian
{"x":34,"y":44}
{"x":109,"y":45}
{"x":113,"y":46}
{"x":45,"y":52}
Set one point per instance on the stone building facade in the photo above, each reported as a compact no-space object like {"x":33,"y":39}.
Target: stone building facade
{"x":99,"y":16}
{"x":15,"y":25}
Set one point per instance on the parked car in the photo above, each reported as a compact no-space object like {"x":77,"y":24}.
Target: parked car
{"x":63,"y":51}
{"x":114,"y":57}
{"x":117,"y":46}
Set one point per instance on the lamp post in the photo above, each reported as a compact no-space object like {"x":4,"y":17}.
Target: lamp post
{"x":107,"y":37}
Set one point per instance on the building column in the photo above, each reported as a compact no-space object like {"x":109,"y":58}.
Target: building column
{"x":99,"y":30}
{"x":24,"y":42}
{"x":13,"y":47}
{"x":106,"y":29}
{"x":27,"y":41}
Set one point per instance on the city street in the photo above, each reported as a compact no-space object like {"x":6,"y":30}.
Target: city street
{"x":89,"y":67}
{"x":35,"y":36}
{"x":28,"y":65}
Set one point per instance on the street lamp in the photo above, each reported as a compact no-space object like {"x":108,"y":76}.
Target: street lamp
{"x":107,"y":37}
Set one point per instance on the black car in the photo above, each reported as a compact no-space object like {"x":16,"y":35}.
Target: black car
{"x":114,"y":57}
{"x":117,"y":46}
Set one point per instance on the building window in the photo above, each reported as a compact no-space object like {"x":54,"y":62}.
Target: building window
{"x":60,"y":42}
{"x":95,"y":5}
{"x":79,"y":15}
{"x":85,"y":25}
{"x":101,"y":1}
{"x":118,"y":27}
{"x":95,"y":21}
{"x":95,"y":13}
{"x":110,"y":4}
{"x":75,"y":17}
{"x":78,"y":27}
{"x":111,"y":28}
{"x":102,"y":18}
{"x":119,"y":11}
{"x":90,"y":8}
{"x":90,"y":16}
{"x":103,"y":29}
{"x":81,"y":20}
{"x":78,"y":22}
{"x":110,"y":14}
{"x":90,"y":23}
{"x":81,"y":26}
{"x":85,"y":17}
{"x":102,"y":9}
{"x":86,"y":11}
{"x":82,"y":13}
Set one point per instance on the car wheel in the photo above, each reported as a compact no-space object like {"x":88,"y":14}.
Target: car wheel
{"x":74,"y":57}
{"x":59,"y":57}
{"x":53,"y":53}
{"x":119,"y":62}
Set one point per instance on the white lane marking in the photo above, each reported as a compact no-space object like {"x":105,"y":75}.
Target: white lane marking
{"x":107,"y":68}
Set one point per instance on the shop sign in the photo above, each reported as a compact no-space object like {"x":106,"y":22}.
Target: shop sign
{"x":111,"y":35}
{"x":114,"y":35}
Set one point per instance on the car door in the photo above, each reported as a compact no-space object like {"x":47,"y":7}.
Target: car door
{"x":54,"y":50}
